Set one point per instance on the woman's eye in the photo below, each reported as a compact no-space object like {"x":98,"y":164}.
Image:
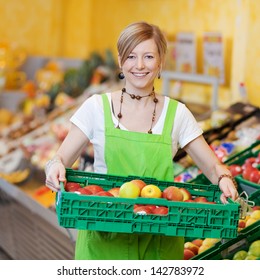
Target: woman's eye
{"x":149,"y":56}
{"x":130,"y":57}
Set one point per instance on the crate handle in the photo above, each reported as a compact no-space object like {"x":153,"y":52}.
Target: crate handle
{"x":246,"y":205}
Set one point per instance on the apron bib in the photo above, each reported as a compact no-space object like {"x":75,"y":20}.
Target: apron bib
{"x":139,"y":154}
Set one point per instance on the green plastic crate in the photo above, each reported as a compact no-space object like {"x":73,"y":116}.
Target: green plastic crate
{"x":115,"y":214}
{"x":226,"y":249}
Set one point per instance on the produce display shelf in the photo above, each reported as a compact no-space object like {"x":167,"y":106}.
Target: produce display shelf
{"x":239,"y":158}
{"x":116,"y":214}
{"x":226,"y":249}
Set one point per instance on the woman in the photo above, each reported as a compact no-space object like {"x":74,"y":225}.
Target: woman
{"x":136,"y":131}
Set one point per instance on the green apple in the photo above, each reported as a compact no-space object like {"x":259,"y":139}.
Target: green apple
{"x":254,"y":249}
{"x":240,"y":255}
{"x":129,"y":190}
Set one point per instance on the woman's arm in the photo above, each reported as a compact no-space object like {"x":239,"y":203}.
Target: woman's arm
{"x":208,"y":163}
{"x":67,"y":154}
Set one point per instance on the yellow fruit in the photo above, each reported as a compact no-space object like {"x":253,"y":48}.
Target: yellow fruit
{"x":203,"y":248}
{"x":210,"y":241}
{"x":250,"y":221}
{"x":240,"y":255}
{"x":151,"y":191}
{"x":255,"y":215}
{"x":129,"y":190}
{"x":251,"y":257}
{"x":254,"y":249}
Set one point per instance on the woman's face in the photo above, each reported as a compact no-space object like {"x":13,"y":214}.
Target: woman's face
{"x":142,"y":66}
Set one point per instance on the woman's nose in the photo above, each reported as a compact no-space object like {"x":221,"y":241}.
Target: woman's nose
{"x":140,"y":63}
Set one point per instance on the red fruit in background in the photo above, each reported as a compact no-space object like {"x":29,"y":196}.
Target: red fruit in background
{"x":142,"y":210}
{"x":247,"y":171}
{"x":250,"y":160}
{"x":188,"y":254}
{"x":254,"y":176}
{"x":72,"y":186}
{"x":160,"y":210}
{"x":103,"y":193}
{"x":83,"y":191}
{"x":94,"y":188}
{"x":235,"y":169}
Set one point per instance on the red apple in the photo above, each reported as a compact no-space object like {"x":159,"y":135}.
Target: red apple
{"x":242,"y":223}
{"x":197,"y":242}
{"x":83,"y":191}
{"x":250,"y":160}
{"x":103,"y":193}
{"x":151,"y":206}
{"x":235,"y":169}
{"x":191,"y":246}
{"x":188,"y":254}
{"x":247,"y":172}
{"x":160,"y":210}
{"x":254,"y":176}
{"x":142,"y":210}
{"x":256,"y":207}
{"x":114,"y":191}
{"x":172,"y":193}
{"x":140,"y":183}
{"x":201,"y":199}
{"x":94,"y":188}
{"x":186,"y":194}
{"x":72,"y":186}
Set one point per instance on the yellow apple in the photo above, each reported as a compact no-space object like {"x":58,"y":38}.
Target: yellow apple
{"x":151,"y":191}
{"x":250,"y":221}
{"x":129,"y":190}
{"x":255,"y":214}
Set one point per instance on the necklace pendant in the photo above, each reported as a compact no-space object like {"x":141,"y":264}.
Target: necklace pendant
{"x":138,"y":97}
{"x":155,"y":100}
{"x":119,"y":115}
{"x":150,"y":131}
{"x":132,"y":96}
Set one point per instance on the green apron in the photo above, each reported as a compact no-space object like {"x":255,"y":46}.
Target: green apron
{"x":140,"y":154}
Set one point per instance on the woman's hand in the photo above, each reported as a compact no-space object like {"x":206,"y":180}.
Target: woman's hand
{"x":228,"y":188}
{"x":55,"y":173}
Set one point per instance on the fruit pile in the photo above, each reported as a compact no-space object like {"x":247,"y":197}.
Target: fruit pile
{"x":138,"y":188}
{"x":197,"y":246}
{"x":252,"y":253}
{"x":248,"y":170}
{"x":250,"y":218}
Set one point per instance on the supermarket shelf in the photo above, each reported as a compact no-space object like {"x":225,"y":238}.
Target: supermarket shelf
{"x":29,"y":230}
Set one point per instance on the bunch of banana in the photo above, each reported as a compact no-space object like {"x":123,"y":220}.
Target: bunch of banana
{"x":16,"y":176}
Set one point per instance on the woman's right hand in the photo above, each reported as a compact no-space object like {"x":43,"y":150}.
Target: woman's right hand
{"x":55,"y":173}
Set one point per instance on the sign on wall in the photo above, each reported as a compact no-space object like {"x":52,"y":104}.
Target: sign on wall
{"x":185,"y":52}
{"x":213,"y":59}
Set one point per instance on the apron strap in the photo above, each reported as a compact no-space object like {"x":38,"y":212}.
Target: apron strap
{"x":170,"y":116}
{"x":107,"y":114}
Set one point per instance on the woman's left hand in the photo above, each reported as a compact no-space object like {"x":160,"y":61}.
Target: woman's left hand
{"x":228,"y":188}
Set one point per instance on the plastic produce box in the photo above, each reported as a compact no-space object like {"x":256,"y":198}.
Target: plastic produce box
{"x":227,"y":249}
{"x":114,"y":214}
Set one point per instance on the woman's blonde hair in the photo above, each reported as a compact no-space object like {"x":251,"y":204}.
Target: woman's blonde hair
{"x":136,"y":33}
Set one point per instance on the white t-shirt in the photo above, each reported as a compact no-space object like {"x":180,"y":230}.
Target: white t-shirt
{"x":90,"y":119}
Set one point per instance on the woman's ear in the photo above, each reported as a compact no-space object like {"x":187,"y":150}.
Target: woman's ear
{"x":119,"y":61}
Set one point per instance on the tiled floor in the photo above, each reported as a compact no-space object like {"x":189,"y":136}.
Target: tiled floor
{"x":4,"y":255}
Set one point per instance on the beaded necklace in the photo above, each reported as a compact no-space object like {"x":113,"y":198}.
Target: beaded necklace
{"x":137,"y":97}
